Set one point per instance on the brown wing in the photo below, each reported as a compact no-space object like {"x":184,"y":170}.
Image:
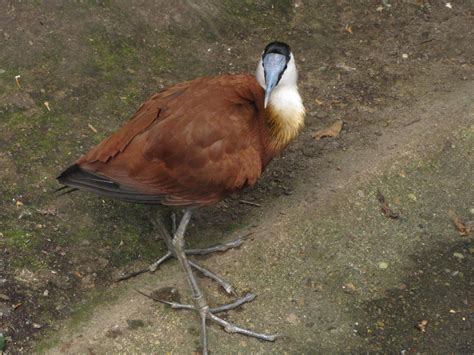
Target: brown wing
{"x":190,"y":144}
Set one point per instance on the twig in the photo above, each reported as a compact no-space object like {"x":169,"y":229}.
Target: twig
{"x":426,"y":41}
{"x":132,"y":274}
{"x":412,"y":122}
{"x":245,"y":202}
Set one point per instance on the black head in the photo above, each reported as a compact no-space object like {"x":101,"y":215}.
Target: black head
{"x":278,"y":48}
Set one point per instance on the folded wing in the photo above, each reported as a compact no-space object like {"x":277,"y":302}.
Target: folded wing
{"x":191,"y":144}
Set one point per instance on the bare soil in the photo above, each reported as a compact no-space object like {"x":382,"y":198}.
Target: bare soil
{"x":332,"y":272}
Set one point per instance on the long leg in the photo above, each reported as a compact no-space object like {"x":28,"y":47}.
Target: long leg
{"x":198,"y":296}
{"x":200,"y":303}
{"x":170,"y":244}
{"x":205,"y":251}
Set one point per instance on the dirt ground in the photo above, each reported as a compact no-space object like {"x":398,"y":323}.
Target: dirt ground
{"x":334,"y":269}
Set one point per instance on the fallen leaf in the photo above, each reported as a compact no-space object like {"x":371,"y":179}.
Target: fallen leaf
{"x":385,"y":208}
{"x":331,"y":131}
{"x":47,"y":211}
{"x":349,"y":29}
{"x":462,"y":228}
{"x":422,"y":325}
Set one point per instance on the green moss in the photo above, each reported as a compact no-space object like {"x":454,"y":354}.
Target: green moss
{"x":232,"y":227}
{"x":116,"y":57}
{"x":24,"y":245}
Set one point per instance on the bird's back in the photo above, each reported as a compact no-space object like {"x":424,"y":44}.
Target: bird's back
{"x":191,"y":144}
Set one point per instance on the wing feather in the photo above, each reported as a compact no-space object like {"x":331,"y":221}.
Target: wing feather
{"x":191,"y":144}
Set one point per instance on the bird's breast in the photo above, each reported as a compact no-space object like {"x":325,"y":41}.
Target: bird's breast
{"x":285,"y":116}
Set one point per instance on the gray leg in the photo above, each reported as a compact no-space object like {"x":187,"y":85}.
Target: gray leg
{"x":198,"y":297}
{"x":205,"y":251}
{"x":249,"y":297}
{"x":199,"y":300}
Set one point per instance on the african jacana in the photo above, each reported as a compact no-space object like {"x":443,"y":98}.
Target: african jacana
{"x":193,"y":144}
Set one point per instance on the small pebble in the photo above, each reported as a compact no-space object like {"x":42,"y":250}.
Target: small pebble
{"x":383,"y":265}
{"x":458,"y":255}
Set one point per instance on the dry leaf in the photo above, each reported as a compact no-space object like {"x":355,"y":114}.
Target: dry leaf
{"x":349,"y":29}
{"x":385,"y":208}
{"x":422,"y":325}
{"x":462,"y":228}
{"x":331,"y":131}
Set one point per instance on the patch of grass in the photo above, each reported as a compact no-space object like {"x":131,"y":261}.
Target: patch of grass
{"x":24,"y":245}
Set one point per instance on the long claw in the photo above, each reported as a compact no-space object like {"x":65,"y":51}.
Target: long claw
{"x":232,"y":328}
{"x":219,"y":279}
{"x":174,"y":305}
{"x":154,"y":266}
{"x":249,"y":297}
{"x":218,"y":247}
{"x":229,"y":289}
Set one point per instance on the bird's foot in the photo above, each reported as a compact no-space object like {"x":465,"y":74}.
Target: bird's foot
{"x":205,"y":251}
{"x":210,"y":314}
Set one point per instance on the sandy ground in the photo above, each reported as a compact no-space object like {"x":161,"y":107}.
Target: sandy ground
{"x":332,"y":272}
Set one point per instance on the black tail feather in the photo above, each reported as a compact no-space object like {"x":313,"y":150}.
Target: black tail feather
{"x":79,"y":179}
{"x":67,"y":190}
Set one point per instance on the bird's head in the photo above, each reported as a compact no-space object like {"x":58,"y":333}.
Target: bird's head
{"x":276,"y":68}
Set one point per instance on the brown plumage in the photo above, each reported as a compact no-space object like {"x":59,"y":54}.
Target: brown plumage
{"x":183,"y":146}
{"x":191,"y":145}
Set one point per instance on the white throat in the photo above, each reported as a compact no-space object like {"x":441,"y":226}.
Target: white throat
{"x":285,"y":96}
{"x":285,"y":110}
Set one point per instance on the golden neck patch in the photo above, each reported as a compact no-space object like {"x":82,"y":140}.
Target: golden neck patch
{"x":285,"y":123}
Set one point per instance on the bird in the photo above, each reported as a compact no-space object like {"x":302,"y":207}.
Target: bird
{"x":190,"y":146}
